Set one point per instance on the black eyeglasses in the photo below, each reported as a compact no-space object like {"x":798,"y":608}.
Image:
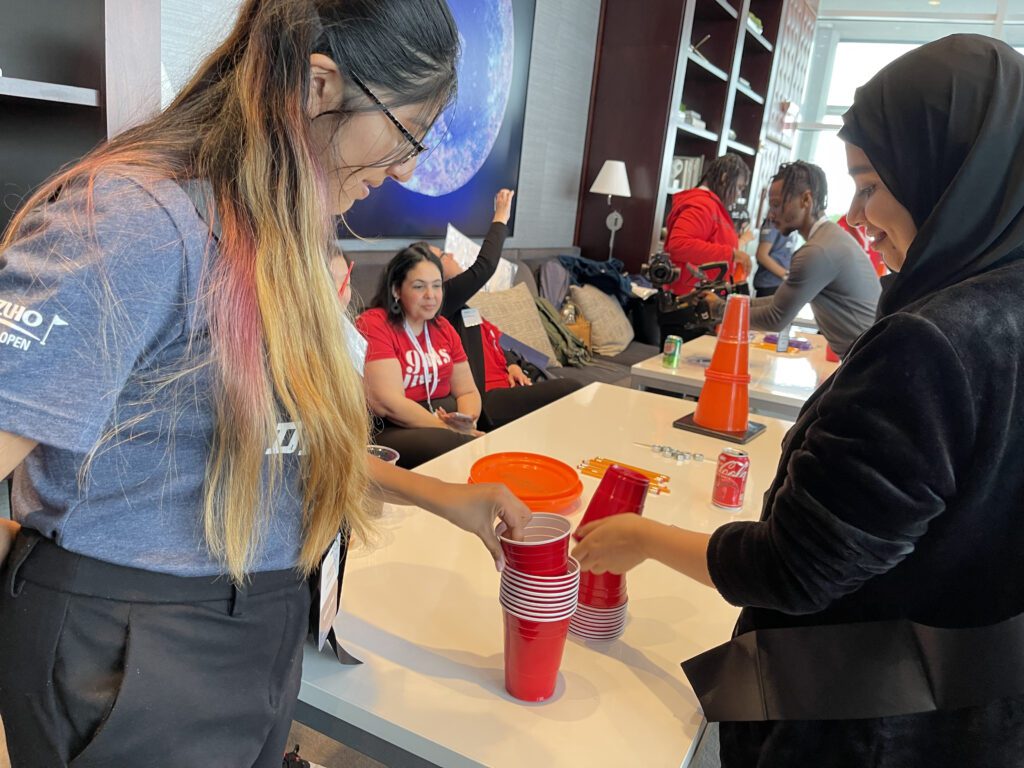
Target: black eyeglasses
{"x":418,"y":147}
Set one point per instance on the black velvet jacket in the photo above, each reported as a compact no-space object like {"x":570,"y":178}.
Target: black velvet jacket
{"x":900,"y":494}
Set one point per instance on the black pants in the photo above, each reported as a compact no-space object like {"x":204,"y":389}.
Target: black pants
{"x":417,"y":445}
{"x":504,"y":405}
{"x":102,"y":665}
{"x":766,"y":291}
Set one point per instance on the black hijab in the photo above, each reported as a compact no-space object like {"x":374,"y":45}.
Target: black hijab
{"x":944,"y":127}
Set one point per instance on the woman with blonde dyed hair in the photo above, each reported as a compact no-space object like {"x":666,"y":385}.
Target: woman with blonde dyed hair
{"x":187,"y":424}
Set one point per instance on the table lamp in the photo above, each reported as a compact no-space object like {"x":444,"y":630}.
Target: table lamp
{"x":612,"y":180}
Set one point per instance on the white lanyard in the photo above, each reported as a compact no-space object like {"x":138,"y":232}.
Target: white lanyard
{"x":815,"y":225}
{"x":429,"y":360}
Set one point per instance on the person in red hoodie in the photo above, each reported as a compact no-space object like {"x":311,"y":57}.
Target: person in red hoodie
{"x":700,"y":229}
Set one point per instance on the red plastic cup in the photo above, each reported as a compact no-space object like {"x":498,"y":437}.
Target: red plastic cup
{"x":533,"y":654}
{"x":545,"y":548}
{"x":542,"y":588}
{"x":604,"y":590}
{"x":538,"y":598}
{"x":539,"y":611}
{"x":620,"y":491}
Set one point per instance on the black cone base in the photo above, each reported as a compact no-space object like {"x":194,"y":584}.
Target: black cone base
{"x":753,"y":430}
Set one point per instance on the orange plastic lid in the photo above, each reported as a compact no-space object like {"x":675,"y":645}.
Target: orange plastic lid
{"x":542,"y":483}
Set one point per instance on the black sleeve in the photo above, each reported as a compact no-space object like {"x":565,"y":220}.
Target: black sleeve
{"x":872,"y":472}
{"x":461,"y":288}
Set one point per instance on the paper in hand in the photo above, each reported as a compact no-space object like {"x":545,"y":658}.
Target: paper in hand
{"x":466,"y":252}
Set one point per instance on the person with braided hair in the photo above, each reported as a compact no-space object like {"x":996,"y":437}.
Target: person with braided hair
{"x":830,"y":272}
{"x":700,"y":229}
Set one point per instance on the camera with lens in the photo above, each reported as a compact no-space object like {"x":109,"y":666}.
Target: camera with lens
{"x":690,"y":311}
{"x":660,"y":270}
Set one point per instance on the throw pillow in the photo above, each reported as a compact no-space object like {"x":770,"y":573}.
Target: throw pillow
{"x":515,"y":313}
{"x":610,"y":329}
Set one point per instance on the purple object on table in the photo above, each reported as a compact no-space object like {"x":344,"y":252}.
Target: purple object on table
{"x":795,"y":342}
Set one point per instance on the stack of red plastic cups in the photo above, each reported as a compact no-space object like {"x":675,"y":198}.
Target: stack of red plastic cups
{"x":601,"y":614}
{"x":539,"y":591}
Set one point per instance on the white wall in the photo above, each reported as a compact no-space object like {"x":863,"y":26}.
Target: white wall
{"x":557,"y":104}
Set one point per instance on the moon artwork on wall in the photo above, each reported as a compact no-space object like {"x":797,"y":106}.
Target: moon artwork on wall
{"x":475,"y":146}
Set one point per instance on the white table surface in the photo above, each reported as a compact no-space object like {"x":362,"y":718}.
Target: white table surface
{"x":779,"y":383}
{"x":421,"y":610}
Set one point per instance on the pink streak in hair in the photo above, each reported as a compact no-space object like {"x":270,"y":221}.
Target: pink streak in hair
{"x":235,"y":323}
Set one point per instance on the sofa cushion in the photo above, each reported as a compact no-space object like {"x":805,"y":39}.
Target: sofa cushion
{"x":610,"y":329}
{"x":515,"y":313}
{"x":525,"y":276}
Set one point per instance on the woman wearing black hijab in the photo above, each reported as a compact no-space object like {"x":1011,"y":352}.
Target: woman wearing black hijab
{"x":883,"y":588}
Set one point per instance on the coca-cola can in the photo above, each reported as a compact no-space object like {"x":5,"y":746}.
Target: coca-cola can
{"x":730,"y":479}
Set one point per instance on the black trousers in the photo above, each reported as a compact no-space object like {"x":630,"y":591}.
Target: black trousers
{"x":102,"y":665}
{"x":504,"y":405}
{"x":417,"y":445}
{"x":767,"y":291}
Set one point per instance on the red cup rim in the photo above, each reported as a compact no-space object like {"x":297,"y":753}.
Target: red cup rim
{"x":601,"y":614}
{"x":572,"y":574}
{"x":530,"y":581}
{"x":526,"y":592}
{"x":541,"y":619}
{"x":611,"y":618}
{"x":577,"y":621}
{"x":529,"y":599}
{"x":533,"y":594}
{"x":530,"y":610}
{"x":595,"y":626}
{"x":557,"y":522}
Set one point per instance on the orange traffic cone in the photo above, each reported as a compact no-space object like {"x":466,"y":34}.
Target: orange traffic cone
{"x":724,"y":404}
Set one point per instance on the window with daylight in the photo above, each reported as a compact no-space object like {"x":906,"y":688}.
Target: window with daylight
{"x":855,"y":64}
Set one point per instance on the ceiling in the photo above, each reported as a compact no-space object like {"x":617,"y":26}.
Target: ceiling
{"x":946,"y":10}
{"x":919,"y":21}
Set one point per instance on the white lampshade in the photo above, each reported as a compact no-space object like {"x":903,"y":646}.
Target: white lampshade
{"x":612,"y":179}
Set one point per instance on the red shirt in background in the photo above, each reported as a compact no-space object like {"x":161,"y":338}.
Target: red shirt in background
{"x":861,"y":237}
{"x":700,"y":230}
{"x":386,"y":340}
{"x":495,"y":365}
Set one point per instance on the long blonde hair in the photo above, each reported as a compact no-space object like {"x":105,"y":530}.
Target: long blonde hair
{"x":277,"y":349}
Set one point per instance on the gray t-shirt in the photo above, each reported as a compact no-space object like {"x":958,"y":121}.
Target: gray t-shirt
{"x":96,"y":311}
{"x":834,"y":275}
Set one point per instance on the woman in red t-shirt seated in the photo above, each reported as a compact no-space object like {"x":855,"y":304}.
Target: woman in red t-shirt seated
{"x":417,"y":378}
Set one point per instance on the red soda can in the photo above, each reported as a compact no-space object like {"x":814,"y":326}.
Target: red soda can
{"x":730,"y":479}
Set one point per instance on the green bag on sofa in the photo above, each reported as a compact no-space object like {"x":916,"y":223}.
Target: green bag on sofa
{"x":569,"y":348}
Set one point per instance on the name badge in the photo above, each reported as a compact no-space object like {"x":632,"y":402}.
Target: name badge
{"x":356,"y":344}
{"x":471,"y":317}
{"x":330,"y":600}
